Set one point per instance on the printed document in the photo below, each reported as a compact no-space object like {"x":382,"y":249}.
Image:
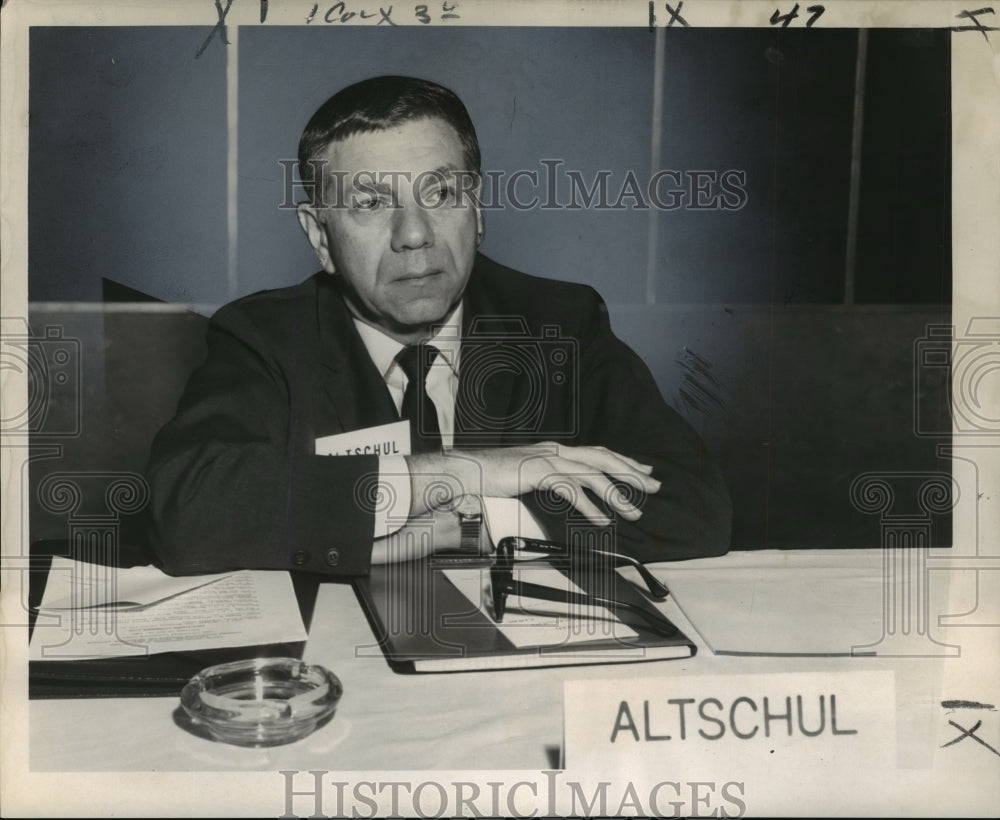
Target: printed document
{"x":91,"y":611}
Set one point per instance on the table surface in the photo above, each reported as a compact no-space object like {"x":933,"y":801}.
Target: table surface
{"x":499,"y":720}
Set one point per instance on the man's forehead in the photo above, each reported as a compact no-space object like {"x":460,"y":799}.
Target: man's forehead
{"x":414,"y":145}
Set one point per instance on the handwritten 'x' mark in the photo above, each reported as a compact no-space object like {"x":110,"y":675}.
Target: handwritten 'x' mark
{"x":675,"y":16}
{"x":976,"y":25}
{"x":970,"y":733}
{"x":220,"y":26}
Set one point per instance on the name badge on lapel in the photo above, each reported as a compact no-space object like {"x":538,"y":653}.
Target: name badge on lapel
{"x":391,"y":439}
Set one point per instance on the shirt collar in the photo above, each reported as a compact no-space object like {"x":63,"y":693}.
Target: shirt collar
{"x":383,"y":349}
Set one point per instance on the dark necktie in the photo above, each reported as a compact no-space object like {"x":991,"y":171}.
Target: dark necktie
{"x":425,"y":434}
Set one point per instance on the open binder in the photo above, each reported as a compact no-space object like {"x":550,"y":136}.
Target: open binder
{"x":425,"y":620}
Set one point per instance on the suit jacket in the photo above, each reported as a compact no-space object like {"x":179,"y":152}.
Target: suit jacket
{"x":235,"y":482}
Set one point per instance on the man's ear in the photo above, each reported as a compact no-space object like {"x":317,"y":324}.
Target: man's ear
{"x":315,"y":232}
{"x":480,"y":219}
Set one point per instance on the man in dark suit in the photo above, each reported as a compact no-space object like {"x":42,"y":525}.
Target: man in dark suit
{"x":508,"y":386}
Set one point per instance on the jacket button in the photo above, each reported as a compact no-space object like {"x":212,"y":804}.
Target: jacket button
{"x":332,"y":557}
{"x":300,"y":557}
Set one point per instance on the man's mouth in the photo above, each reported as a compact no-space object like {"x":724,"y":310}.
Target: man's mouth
{"x":417,"y":276}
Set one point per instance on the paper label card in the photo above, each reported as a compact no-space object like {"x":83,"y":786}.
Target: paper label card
{"x":391,"y":439}
{"x":743,"y":725}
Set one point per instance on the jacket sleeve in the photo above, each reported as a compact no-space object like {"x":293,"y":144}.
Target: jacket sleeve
{"x":230,"y":488}
{"x":620,"y":407}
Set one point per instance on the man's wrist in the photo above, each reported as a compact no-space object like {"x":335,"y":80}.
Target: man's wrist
{"x":393,"y":500}
{"x":440,"y":479}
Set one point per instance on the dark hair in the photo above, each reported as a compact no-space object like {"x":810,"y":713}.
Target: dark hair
{"x":376,"y":105}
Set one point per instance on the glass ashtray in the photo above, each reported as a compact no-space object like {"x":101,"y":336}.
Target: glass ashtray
{"x":261,"y":701}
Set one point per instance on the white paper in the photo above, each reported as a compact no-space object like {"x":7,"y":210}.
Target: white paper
{"x":828,"y":602}
{"x":246,"y":608}
{"x":76,"y":584}
{"x":534,"y":622}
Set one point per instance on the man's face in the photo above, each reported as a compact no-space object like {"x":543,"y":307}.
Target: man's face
{"x":397,"y":225}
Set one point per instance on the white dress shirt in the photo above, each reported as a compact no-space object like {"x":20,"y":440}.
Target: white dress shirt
{"x":442,"y":387}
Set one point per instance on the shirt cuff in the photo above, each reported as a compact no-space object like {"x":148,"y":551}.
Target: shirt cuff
{"x":508,"y":516}
{"x":394,"y":494}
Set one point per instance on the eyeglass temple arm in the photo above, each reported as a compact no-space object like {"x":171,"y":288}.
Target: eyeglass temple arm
{"x":502,"y":587}
{"x":656,"y":589}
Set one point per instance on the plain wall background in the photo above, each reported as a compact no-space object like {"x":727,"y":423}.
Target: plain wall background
{"x":129,"y":150}
{"x":127,"y":163}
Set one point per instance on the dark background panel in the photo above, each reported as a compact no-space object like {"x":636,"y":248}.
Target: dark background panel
{"x":904,"y":233}
{"x":795,"y":403}
{"x":777,"y":106}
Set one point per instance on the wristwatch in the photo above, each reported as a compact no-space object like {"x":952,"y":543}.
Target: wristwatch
{"x":470,"y":522}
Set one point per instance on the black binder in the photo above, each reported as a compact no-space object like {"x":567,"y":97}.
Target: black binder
{"x":422,"y":623}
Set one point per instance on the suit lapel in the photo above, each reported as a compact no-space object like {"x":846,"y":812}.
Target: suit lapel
{"x":352,"y":384}
{"x":488,"y":380}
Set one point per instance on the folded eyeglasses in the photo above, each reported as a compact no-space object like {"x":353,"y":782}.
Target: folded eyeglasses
{"x":503,"y":583}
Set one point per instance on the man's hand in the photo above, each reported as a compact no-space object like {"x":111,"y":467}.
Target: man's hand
{"x":434,"y":532}
{"x":509,"y":472}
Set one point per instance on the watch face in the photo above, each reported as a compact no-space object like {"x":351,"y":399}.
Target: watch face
{"x":470,"y":505}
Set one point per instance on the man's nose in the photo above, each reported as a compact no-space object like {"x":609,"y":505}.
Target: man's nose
{"x":412,"y":228}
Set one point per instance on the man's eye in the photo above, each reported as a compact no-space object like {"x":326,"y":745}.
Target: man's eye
{"x":437,"y":195}
{"x":366,"y":203}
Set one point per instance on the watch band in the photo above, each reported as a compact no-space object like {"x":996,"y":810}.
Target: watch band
{"x":470,"y":522}
{"x":471,"y":527}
